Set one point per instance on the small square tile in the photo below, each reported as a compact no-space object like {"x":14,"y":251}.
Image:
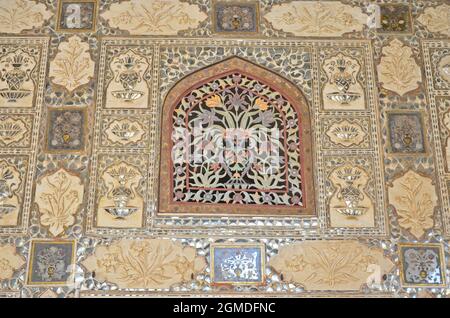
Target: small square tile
{"x":422,"y":265}
{"x":76,"y":16}
{"x":51,"y":262}
{"x":66,"y":130}
{"x":236,"y":17}
{"x":405,"y":131}
{"x":237,"y":263}
{"x":395,"y":18}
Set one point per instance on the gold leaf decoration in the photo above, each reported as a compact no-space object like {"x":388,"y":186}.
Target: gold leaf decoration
{"x":18,"y":15}
{"x":329,"y":265}
{"x":59,"y":196}
{"x":150,"y":263}
{"x":72,"y":66}
{"x":436,"y":19}
{"x":414,"y":198}
{"x":312,"y":18}
{"x":159,"y":17}
{"x":10,"y":261}
{"x":398,"y":71}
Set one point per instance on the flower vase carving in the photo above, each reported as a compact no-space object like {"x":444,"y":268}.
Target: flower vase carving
{"x":16,"y":85}
{"x":121,"y":205}
{"x":342,"y":89}
{"x":350,"y":205}
{"x":129,"y":86}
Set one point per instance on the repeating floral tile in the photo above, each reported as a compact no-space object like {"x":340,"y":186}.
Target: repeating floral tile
{"x":77,"y":16}
{"x":92,"y":91}
{"x":51,"y":262}
{"x":422,"y":265}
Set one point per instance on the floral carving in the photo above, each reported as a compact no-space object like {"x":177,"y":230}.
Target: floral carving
{"x":329,"y":265}
{"x":10,"y":261}
{"x":436,"y":19}
{"x":151,"y":263}
{"x":18,"y":15}
{"x":414,"y":198}
{"x":59,"y":195}
{"x":124,"y":132}
{"x":311,"y":18}
{"x":346,"y":133}
{"x":398,"y":71}
{"x":72,"y":65}
{"x":160,"y":17}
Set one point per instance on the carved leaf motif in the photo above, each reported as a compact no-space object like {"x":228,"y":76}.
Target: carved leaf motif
{"x":155,"y":263}
{"x":329,"y":265}
{"x":311,"y":18}
{"x":160,"y":17}
{"x":10,"y":261}
{"x":398,"y":71}
{"x":436,"y":19}
{"x":59,"y":196}
{"x":414,"y":198}
{"x":72,"y":65}
{"x":18,"y":15}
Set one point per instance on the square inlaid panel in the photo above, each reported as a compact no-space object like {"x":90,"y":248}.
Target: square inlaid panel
{"x":234,"y":148}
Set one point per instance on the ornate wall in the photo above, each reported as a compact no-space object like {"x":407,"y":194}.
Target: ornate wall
{"x":209,"y":147}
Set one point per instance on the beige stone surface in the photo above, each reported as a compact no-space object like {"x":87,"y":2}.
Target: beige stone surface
{"x":414,"y":198}
{"x":72,"y":66}
{"x":18,"y":15}
{"x":398,"y":71}
{"x":330,"y":265}
{"x":149,"y":263}
{"x":159,"y":17}
{"x":10,"y":261}
{"x":312,"y":18}
{"x":436,"y":19}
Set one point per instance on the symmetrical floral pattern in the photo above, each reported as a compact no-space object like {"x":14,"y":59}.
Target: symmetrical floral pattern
{"x":145,"y":264}
{"x":436,"y":19}
{"x":18,"y":15}
{"x":247,"y":145}
{"x":10,"y":261}
{"x":72,"y":66}
{"x":160,"y":17}
{"x":330,"y":265}
{"x":414,"y":198}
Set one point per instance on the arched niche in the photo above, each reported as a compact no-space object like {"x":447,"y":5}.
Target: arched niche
{"x":236,"y":140}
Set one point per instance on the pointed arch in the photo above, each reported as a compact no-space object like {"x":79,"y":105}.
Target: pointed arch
{"x":236,"y":139}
